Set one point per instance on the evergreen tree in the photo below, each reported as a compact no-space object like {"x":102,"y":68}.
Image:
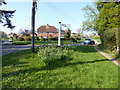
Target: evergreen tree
{"x":5,"y":16}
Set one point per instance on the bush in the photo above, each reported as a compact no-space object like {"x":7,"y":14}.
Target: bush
{"x":37,"y":38}
{"x":27,"y":38}
{"x":73,"y":40}
{"x":65,"y":38}
{"x":51,"y":54}
{"x":14,"y":38}
{"x":21,"y":39}
{"x":42,"y":39}
{"x":22,"y":42}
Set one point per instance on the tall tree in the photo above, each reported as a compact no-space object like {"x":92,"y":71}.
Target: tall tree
{"x":106,"y":22}
{"x":91,"y":16}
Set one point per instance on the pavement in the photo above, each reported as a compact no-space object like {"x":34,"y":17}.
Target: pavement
{"x":107,"y":55}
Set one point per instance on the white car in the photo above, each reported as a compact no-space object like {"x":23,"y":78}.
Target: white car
{"x":10,"y":40}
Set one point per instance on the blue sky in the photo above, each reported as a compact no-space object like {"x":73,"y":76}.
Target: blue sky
{"x":47,"y":13}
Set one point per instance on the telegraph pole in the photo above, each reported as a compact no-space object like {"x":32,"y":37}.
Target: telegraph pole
{"x":34,"y":5}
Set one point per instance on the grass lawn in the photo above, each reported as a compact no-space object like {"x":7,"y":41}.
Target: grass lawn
{"x":44,"y":42}
{"x":84,"y":68}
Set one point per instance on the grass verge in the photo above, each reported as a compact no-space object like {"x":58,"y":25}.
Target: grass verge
{"x":84,"y":68}
{"x":44,"y":42}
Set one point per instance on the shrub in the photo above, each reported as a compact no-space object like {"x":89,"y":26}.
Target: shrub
{"x":21,"y":39}
{"x":14,"y":38}
{"x":42,"y":39}
{"x":27,"y":38}
{"x":51,"y":54}
{"x":73,"y":40}
{"x":37,"y":38}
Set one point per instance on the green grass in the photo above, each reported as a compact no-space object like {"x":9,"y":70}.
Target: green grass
{"x":21,"y":42}
{"x":44,"y":42}
{"x":85,"y":68}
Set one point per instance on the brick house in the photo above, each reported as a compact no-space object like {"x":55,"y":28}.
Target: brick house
{"x":47,"y":31}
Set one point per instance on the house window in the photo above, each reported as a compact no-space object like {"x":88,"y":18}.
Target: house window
{"x":45,"y":33}
{"x":45,"y":37}
{"x":50,"y":33}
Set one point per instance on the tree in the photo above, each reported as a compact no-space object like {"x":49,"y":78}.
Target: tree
{"x":91,"y":17}
{"x":5,"y":16}
{"x":3,"y":35}
{"x":79,"y":32}
{"x":106,"y":23}
{"x":68,"y":34}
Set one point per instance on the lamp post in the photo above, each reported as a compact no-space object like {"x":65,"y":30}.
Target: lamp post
{"x":34,"y":5}
{"x":59,"y":34}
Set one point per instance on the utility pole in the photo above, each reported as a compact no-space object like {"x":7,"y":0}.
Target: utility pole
{"x":34,"y":5}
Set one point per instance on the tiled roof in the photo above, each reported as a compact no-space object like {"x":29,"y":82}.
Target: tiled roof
{"x":44,"y":28}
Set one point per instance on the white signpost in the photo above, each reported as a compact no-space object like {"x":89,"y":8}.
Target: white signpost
{"x":59,"y":31}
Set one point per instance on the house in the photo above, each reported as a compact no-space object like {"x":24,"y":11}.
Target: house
{"x":25,"y":33}
{"x":47,"y":31}
{"x":74,"y":34}
{"x":62,"y":33}
{"x":11,"y":35}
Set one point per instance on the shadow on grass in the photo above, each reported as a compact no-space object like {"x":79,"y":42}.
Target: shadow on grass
{"x":51,"y":66}
{"x":83,"y":48}
{"x":87,"y":62}
{"x":15,"y":58}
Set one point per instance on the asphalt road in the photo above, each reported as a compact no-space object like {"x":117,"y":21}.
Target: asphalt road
{"x":8,"y":47}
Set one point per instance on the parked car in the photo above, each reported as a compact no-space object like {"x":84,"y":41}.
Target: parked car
{"x":10,"y":40}
{"x":88,"y":42}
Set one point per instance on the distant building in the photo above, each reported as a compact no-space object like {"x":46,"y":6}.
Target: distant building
{"x":74,"y":34}
{"x":47,"y":31}
{"x":25,"y":33}
{"x":11,"y":35}
{"x":63,"y":32}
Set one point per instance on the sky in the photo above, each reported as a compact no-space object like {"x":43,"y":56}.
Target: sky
{"x":69,"y":12}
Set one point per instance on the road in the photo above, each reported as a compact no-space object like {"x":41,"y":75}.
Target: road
{"x":8,"y":47}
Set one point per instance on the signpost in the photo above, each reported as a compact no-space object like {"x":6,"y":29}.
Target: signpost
{"x":59,"y":34}
{"x":64,"y":25}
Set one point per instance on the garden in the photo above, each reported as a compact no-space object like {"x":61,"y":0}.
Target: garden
{"x":59,"y":67}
